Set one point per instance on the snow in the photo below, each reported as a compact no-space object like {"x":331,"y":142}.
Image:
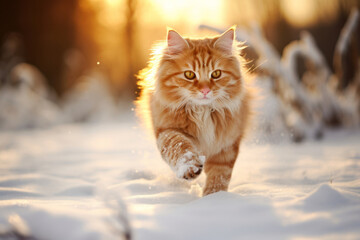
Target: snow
{"x":90,"y":100}
{"x":24,"y":108}
{"x":345,"y":35}
{"x":97,"y":181}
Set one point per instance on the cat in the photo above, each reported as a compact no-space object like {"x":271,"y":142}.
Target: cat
{"x":196,"y":99}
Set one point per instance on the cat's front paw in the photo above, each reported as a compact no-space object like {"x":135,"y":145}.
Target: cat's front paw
{"x":189,"y":166}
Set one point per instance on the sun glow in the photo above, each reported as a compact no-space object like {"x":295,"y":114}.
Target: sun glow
{"x":299,"y":12}
{"x":302,"y":13}
{"x":192,"y":12}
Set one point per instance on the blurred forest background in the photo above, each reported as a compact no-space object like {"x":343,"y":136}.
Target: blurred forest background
{"x":83,"y":54}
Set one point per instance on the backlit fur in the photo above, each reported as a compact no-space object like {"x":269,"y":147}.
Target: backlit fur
{"x":185,"y":125}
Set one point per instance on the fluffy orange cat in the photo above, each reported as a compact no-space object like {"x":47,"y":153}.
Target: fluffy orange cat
{"x":195,"y":93}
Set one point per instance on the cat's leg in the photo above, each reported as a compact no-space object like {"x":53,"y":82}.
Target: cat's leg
{"x":179,"y":151}
{"x":218,"y":169}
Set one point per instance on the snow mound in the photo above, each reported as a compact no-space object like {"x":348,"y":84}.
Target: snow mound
{"x":31,"y":222}
{"x":325,"y":198}
{"x":90,"y":100}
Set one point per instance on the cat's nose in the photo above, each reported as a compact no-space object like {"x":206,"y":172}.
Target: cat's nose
{"x":205,"y":90}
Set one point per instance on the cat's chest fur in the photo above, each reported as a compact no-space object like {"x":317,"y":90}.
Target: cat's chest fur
{"x":206,"y":134}
{"x":212,"y":134}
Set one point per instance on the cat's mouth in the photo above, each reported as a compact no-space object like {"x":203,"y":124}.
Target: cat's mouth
{"x":203,"y":100}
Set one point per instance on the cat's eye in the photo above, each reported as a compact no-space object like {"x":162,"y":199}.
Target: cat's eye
{"x":216,"y":74}
{"x":189,"y":75}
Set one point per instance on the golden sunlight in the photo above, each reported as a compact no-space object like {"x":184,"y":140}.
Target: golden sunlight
{"x":300,"y":13}
{"x":113,"y":3}
{"x":193,"y":12}
{"x":109,"y":11}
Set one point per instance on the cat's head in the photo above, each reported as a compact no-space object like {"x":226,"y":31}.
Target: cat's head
{"x":199,"y":71}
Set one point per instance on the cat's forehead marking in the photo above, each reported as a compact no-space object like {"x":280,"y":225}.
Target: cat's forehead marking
{"x":198,"y":62}
{"x":202,"y":58}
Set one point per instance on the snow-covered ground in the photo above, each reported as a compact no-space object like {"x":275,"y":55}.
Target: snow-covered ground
{"x":88,"y":181}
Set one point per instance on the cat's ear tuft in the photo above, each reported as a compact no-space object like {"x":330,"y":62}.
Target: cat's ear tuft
{"x":175,"y":42}
{"x":226,"y":40}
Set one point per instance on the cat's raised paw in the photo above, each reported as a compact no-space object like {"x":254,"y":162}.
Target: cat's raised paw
{"x":189,"y":166}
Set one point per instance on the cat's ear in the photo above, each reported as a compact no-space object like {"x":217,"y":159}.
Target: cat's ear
{"x":226,"y":40}
{"x":175,"y":42}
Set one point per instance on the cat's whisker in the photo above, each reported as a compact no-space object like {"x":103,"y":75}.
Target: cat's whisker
{"x":252,"y":69}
